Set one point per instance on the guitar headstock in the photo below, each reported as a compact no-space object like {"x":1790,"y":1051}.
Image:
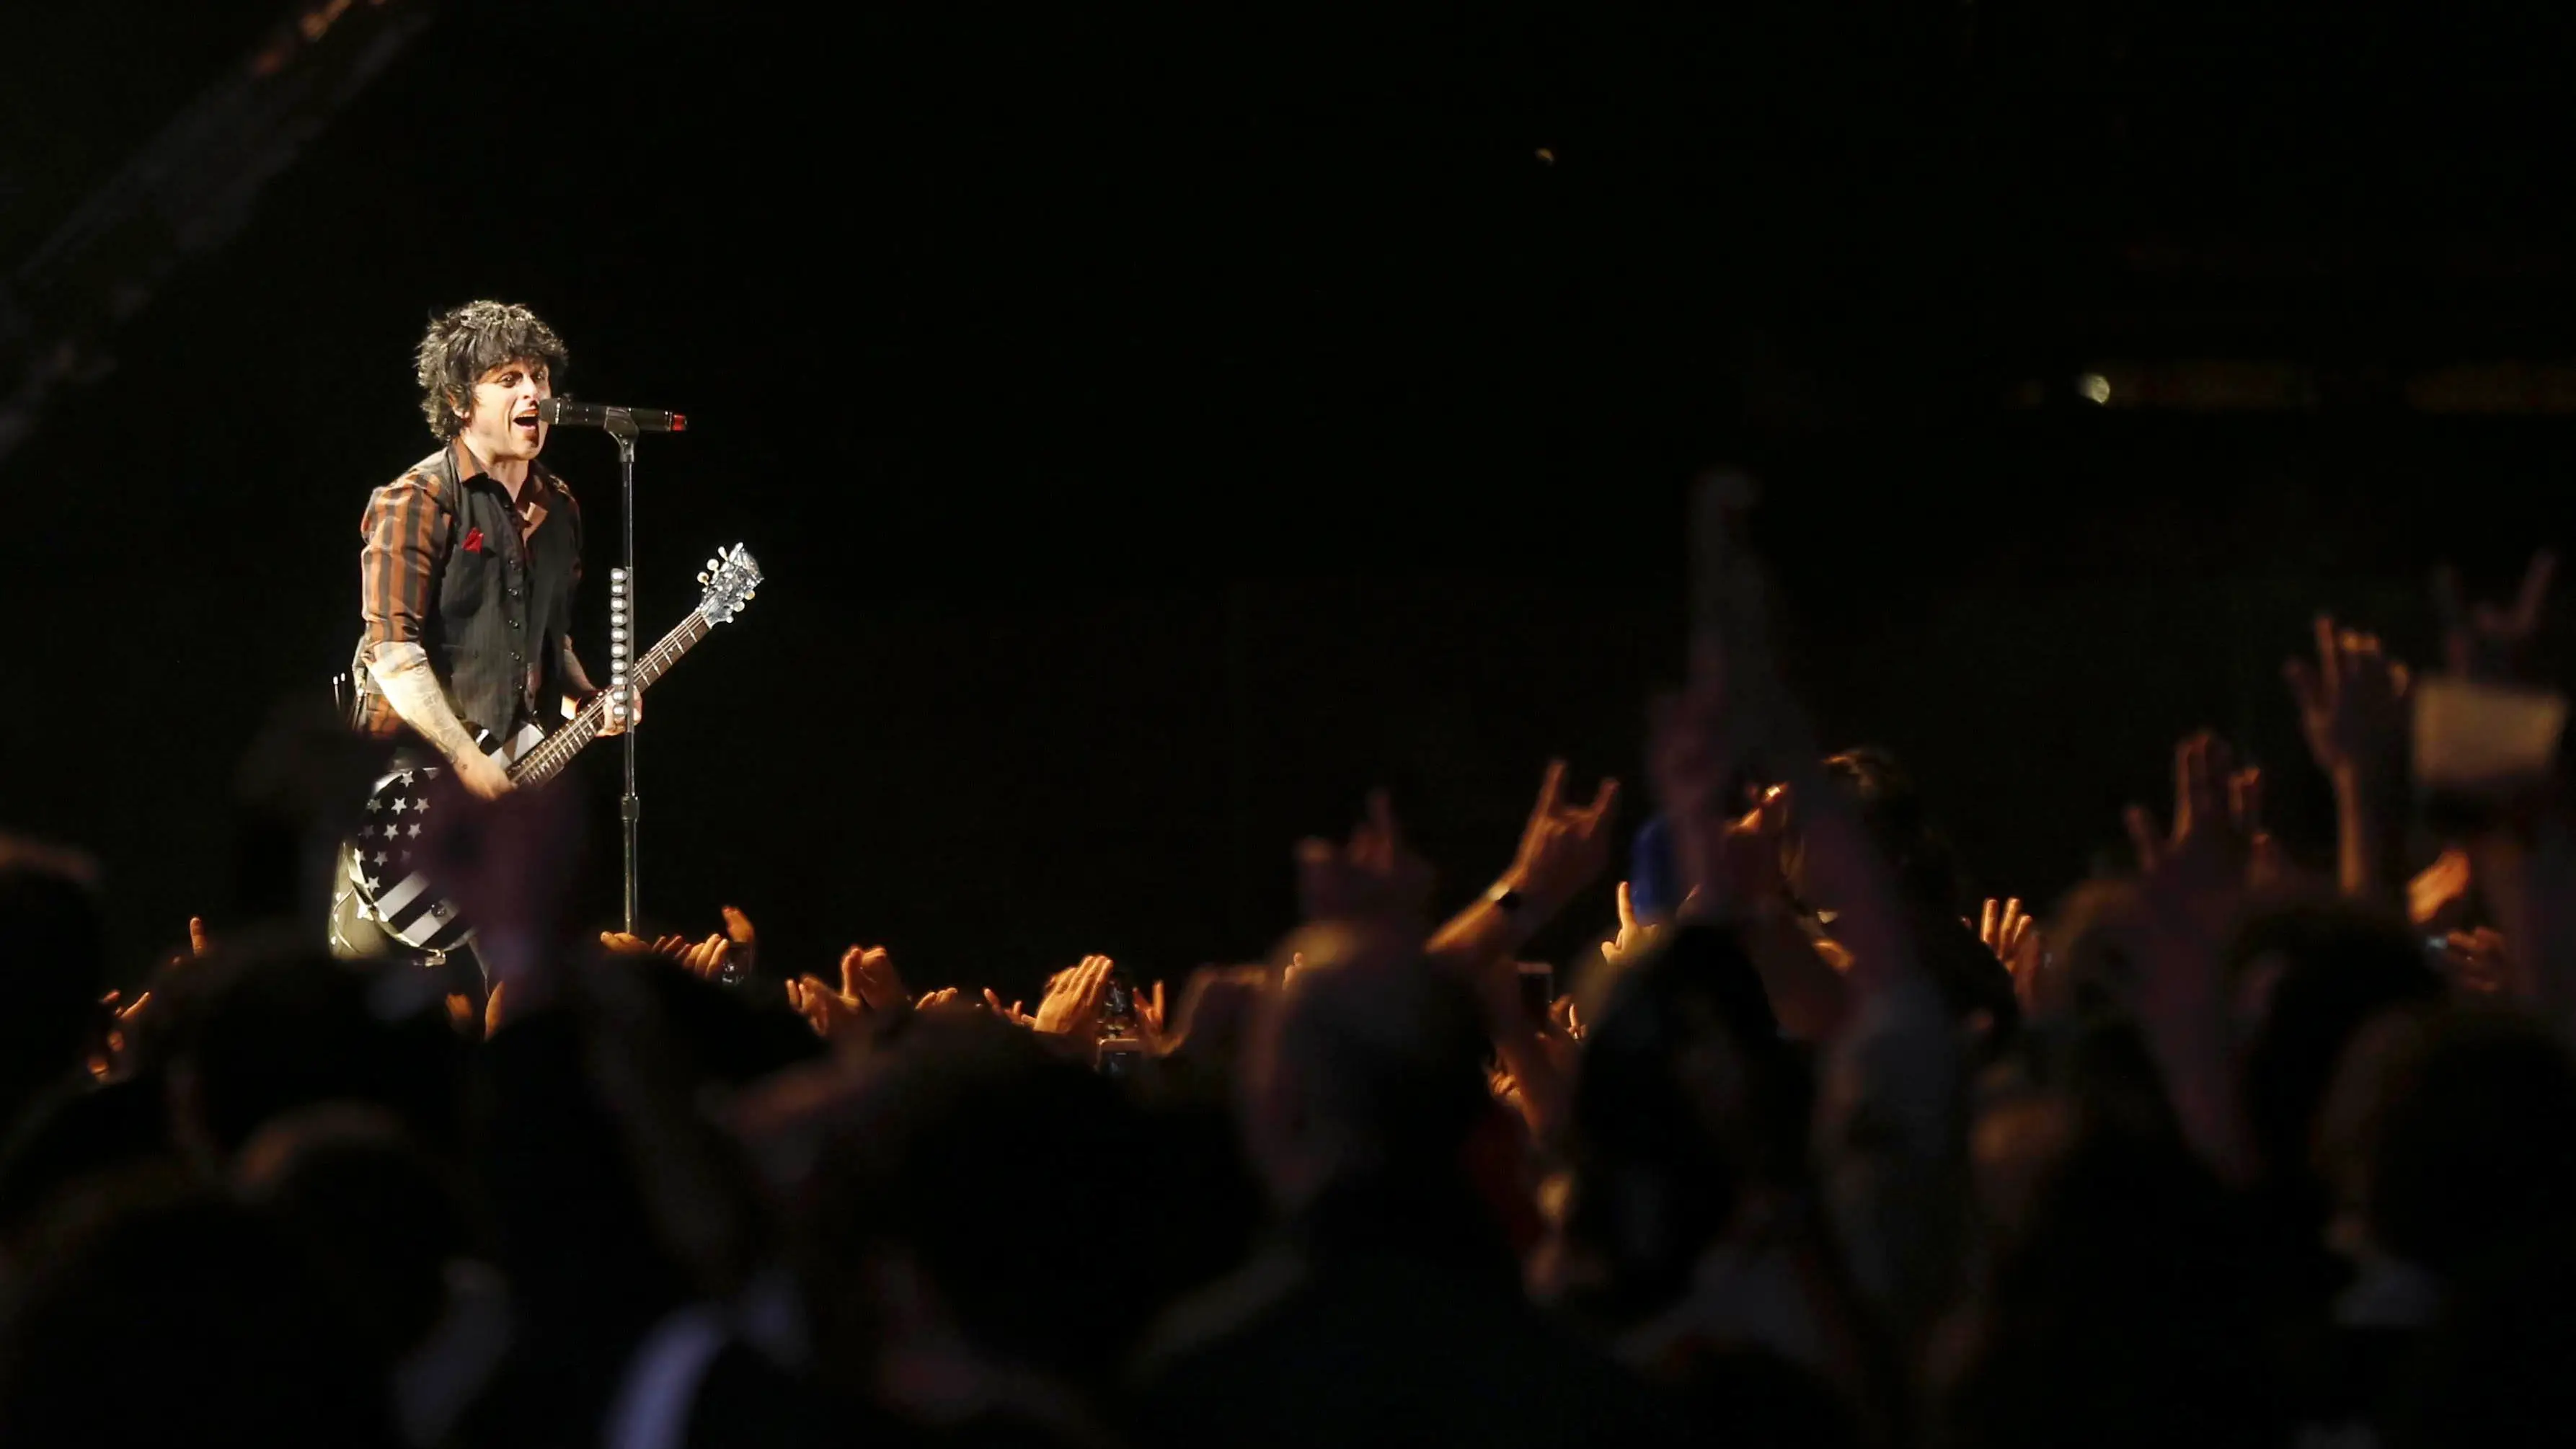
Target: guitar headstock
{"x":730,"y":578}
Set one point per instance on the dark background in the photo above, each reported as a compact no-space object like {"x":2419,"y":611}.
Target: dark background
{"x":1160,"y":424}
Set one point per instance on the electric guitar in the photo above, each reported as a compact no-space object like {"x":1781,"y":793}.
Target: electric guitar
{"x":403,"y":901}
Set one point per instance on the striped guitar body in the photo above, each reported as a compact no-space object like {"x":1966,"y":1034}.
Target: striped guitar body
{"x":397,"y":896}
{"x":393,"y":891}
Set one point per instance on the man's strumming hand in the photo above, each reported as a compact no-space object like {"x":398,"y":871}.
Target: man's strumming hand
{"x":481,"y":774}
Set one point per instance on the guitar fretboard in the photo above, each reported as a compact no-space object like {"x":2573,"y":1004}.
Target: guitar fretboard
{"x":549,"y":758}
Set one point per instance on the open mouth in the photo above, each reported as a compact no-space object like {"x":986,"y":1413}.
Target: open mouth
{"x":528,"y":420}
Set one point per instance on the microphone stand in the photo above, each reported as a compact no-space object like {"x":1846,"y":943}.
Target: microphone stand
{"x":630,"y":808}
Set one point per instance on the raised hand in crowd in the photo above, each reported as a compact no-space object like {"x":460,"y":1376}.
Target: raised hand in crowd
{"x":1565,"y":846}
{"x":2200,"y":866}
{"x":1634,"y":938}
{"x":1011,"y":1013}
{"x":2488,"y":642}
{"x":2005,"y":928}
{"x":869,"y":977}
{"x":706,"y":959}
{"x":2439,"y":895}
{"x":1728,"y":849}
{"x":626,"y":943}
{"x":834,"y":1015}
{"x":1071,"y":1007}
{"x":1150,"y":1018}
{"x":870,"y":985}
{"x":2352,"y":702}
{"x":1374,"y":875}
{"x":2192,"y":886}
{"x":2013,"y":936}
{"x":2268,"y":867}
{"x":1730,"y":858}
{"x":124,"y":1018}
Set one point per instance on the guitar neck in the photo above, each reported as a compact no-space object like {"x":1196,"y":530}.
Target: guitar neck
{"x":548,"y":759}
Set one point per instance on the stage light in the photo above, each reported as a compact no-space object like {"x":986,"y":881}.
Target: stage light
{"x":2094,"y":386}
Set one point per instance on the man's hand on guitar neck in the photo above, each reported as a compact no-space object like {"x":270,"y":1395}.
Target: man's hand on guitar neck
{"x":578,"y":687}
{"x":612,"y":725}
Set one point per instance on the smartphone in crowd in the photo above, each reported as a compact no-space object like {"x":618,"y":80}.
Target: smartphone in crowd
{"x":1120,"y":1056}
{"x":1121,"y":1050}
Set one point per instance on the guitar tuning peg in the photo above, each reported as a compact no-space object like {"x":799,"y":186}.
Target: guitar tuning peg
{"x":713,"y":564}
{"x":702,"y":578}
{"x":750,"y":595}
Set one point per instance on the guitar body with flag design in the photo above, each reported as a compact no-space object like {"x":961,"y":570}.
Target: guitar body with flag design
{"x":398,"y":896}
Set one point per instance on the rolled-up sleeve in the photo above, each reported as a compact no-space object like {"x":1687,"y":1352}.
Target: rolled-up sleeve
{"x":405,"y":530}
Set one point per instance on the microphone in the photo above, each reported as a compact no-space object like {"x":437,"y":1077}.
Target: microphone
{"x":563,"y":412}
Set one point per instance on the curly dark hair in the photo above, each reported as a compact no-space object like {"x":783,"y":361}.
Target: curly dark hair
{"x":464,"y":343}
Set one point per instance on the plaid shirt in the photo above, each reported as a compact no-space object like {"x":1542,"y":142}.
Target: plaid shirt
{"x":469,"y":616}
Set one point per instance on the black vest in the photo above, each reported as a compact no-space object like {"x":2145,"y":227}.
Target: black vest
{"x":501,"y":605}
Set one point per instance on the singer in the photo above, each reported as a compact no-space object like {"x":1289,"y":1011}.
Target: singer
{"x":470,"y":559}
